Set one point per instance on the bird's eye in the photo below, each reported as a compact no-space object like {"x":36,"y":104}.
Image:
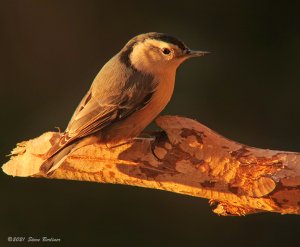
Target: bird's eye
{"x":166,"y":51}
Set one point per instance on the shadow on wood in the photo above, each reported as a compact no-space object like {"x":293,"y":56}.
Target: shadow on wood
{"x":187,"y":158}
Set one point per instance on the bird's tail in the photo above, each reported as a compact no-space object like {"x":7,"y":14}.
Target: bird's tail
{"x":60,"y":150}
{"x":57,"y":156}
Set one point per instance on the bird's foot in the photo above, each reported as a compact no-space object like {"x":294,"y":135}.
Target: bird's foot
{"x":160,"y":137}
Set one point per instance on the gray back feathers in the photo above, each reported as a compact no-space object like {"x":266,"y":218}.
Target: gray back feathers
{"x":116,"y":93}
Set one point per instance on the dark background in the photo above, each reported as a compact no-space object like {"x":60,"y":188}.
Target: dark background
{"x":247,"y":89}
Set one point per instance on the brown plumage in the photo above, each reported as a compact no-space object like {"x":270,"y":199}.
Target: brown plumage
{"x":130,"y":90}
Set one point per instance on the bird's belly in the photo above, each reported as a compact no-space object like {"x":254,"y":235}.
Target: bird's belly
{"x":134,"y":124}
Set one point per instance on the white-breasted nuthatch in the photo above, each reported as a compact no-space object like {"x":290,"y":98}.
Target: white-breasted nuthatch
{"x":131,"y":89}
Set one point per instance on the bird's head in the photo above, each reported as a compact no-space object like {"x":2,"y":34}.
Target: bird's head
{"x":156,"y":53}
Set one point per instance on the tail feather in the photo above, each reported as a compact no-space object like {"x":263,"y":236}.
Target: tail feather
{"x":58,"y":153}
{"x":56,"y":158}
{"x":59,"y":145}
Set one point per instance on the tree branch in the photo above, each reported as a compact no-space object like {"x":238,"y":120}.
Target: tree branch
{"x":186,"y":158}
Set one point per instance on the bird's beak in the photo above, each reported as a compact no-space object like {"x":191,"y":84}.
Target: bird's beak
{"x":191,"y":53}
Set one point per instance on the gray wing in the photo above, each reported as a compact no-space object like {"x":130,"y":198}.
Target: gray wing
{"x":101,"y":108}
{"x":115,"y":94}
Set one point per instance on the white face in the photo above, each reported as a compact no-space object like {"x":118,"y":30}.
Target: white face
{"x":155,"y":57}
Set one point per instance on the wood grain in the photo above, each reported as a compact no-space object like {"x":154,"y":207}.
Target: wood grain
{"x":187,"y":158}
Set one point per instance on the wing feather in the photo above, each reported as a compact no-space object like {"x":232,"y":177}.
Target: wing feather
{"x":111,"y":98}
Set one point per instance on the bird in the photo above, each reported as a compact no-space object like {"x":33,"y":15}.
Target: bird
{"x":128,"y":93}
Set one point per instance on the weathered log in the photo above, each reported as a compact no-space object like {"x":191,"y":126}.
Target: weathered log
{"x":186,"y":157}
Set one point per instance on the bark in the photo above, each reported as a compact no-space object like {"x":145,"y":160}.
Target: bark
{"x":187,"y":158}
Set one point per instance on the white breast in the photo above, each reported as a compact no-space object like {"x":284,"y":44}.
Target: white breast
{"x":163,"y":93}
{"x":158,"y":102}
